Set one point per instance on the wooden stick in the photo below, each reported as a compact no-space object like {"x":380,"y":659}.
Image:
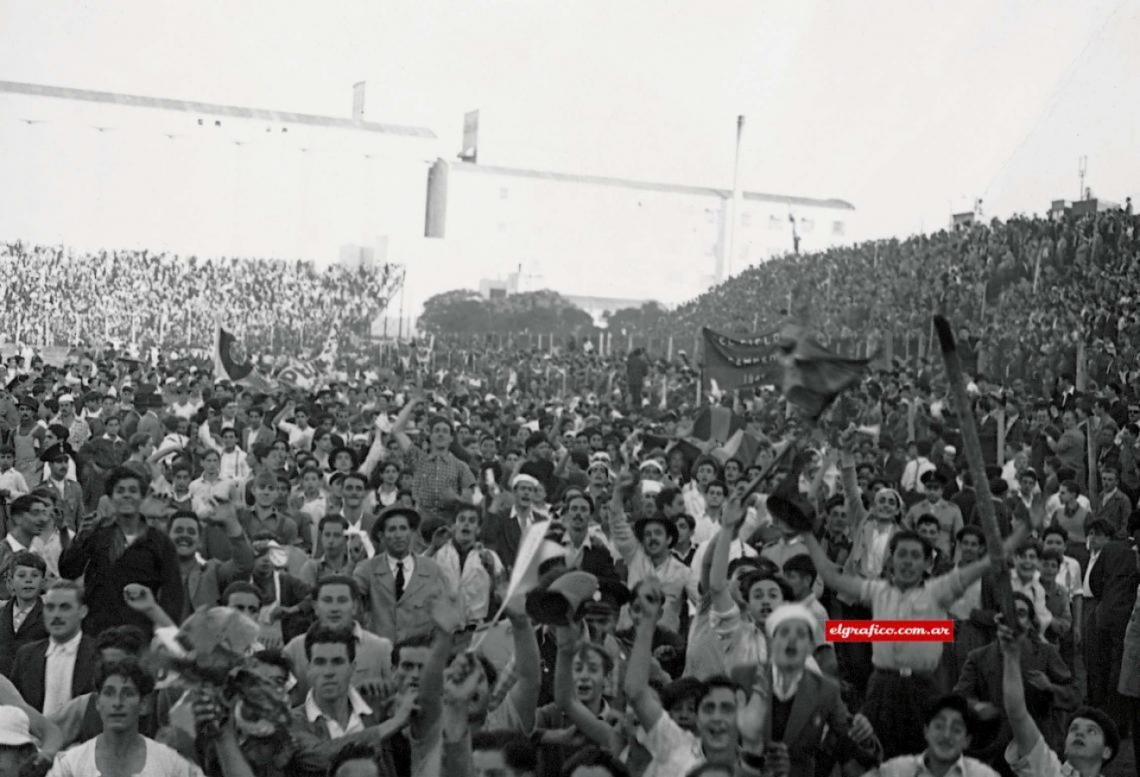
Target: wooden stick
{"x":977,"y":465}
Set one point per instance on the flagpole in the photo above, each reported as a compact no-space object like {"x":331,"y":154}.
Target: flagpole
{"x":734,"y":218}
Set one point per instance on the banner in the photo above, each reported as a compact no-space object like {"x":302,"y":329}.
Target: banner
{"x":731,"y":362}
{"x":232,"y":362}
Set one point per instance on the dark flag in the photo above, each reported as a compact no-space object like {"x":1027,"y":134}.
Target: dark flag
{"x":731,"y":362}
{"x":814,"y":376}
{"x":232,"y":362}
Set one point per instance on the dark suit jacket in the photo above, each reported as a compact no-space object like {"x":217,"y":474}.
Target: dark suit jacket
{"x":816,"y":709}
{"x":31,"y":663}
{"x":1113,"y":581}
{"x":252,"y":437}
{"x":31,"y":630}
{"x":501,"y":533}
{"x":981,"y":680}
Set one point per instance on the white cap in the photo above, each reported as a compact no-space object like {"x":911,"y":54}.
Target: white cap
{"x":651,"y":463}
{"x":524,"y":479}
{"x":793,"y":612}
{"x":15,"y":730}
{"x":66,"y":398}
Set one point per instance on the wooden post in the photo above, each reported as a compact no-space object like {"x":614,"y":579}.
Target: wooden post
{"x":1001,"y":437}
{"x":669,"y":350}
{"x":1094,"y":490}
{"x":973,"y":449}
{"x":1082,"y":377}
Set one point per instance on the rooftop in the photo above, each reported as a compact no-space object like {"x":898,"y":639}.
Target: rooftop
{"x":601,"y":180}
{"x":212,"y":109}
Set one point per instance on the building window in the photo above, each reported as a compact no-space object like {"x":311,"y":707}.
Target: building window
{"x":746,"y":219}
{"x":503,"y":193}
{"x":775,"y":222}
{"x":837,"y":227}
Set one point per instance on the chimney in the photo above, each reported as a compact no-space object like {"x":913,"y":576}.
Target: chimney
{"x":358,"y":101}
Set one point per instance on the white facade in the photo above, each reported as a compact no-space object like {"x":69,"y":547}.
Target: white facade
{"x":95,"y":170}
{"x":594,"y":236}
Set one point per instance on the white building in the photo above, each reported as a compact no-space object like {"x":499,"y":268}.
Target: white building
{"x":599,"y":236}
{"x":97,"y":170}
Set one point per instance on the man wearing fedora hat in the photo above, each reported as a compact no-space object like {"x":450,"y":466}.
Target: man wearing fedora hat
{"x":647,"y":551}
{"x":398,"y":586}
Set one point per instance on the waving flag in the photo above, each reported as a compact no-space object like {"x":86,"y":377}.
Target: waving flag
{"x":232,"y":362}
{"x":814,"y":376}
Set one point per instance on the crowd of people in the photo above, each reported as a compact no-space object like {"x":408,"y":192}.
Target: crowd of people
{"x":169,"y":301}
{"x":494,"y":561}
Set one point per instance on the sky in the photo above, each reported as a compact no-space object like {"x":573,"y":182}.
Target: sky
{"x":906,"y":109}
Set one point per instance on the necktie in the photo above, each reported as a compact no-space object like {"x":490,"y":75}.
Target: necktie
{"x":399,"y":580}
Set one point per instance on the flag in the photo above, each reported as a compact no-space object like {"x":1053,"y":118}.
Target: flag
{"x":814,"y":376}
{"x":232,"y":363}
{"x":730,"y":362}
{"x":298,"y":374}
{"x":540,"y":543}
{"x":713,"y":424}
{"x":742,"y":446}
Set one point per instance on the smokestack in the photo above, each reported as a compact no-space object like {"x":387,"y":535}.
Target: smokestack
{"x":358,"y":101}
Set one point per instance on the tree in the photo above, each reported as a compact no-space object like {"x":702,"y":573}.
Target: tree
{"x":462,"y":311}
{"x":642,"y":319}
{"x":459,"y":310}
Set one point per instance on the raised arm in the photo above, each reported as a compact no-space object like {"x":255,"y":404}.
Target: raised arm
{"x":722,"y":543}
{"x":647,"y":610}
{"x":528,"y":664}
{"x":620,"y":531}
{"x":1025,"y":732}
{"x":448,"y":618}
{"x":207,"y":438}
{"x":375,"y":453}
{"x":401,"y":422}
{"x":848,"y":585}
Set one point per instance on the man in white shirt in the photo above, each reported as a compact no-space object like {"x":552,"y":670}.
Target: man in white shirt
{"x":12,"y":483}
{"x":1023,"y":579}
{"x":704,"y":472}
{"x":51,"y":672}
{"x":1069,"y":578}
{"x":233,"y":463}
{"x":299,"y":431}
{"x":918,"y":464}
{"x":184,"y":406}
